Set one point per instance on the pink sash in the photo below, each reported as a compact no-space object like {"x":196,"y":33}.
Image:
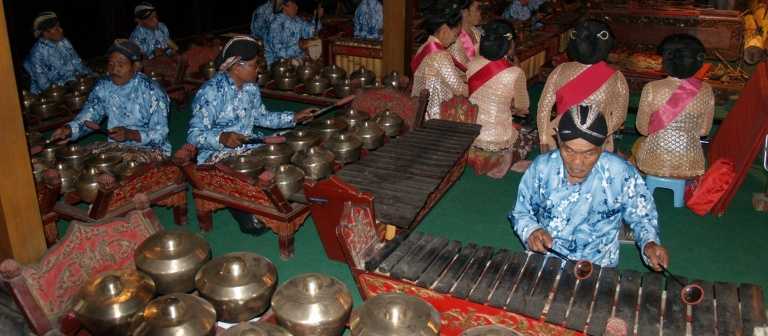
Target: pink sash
{"x":677,"y":102}
{"x":582,"y":86}
{"x":487,"y":72}
{"x":428,"y":49}
{"x":467,"y":44}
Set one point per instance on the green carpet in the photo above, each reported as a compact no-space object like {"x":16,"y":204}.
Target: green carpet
{"x":728,"y":248}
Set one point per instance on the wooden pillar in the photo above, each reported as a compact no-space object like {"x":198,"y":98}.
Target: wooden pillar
{"x":21,"y":229}
{"x":397,"y":27}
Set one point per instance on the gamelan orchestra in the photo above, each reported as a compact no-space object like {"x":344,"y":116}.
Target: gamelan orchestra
{"x":481,"y":167}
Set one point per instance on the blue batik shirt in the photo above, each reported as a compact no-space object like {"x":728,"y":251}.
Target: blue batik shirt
{"x":517,"y":11}
{"x":150,"y":39}
{"x":219,"y":106}
{"x":51,"y":62}
{"x":261,"y":19}
{"x":369,"y":20}
{"x":283,"y":38}
{"x":140,"y":105}
{"x":584,"y":219}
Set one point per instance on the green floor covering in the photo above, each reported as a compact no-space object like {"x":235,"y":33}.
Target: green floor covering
{"x":730,"y":248}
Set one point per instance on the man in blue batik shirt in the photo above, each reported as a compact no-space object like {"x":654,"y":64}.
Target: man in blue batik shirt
{"x":150,"y":34}
{"x":286,"y":32}
{"x":369,"y":20}
{"x":52,"y":59}
{"x":573,"y":200}
{"x":227,"y":107}
{"x":135,"y":106}
{"x":262,"y":17}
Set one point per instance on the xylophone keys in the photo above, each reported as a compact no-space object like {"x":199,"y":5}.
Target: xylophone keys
{"x":649,"y":320}
{"x":424,"y":258}
{"x":428,"y":278}
{"x":400,"y":252}
{"x":675,"y":311}
{"x":582,"y":300}
{"x":752,"y":308}
{"x":563,"y":294}
{"x":507,"y":281}
{"x":373,"y":263}
{"x":484,"y":286}
{"x":406,"y":264}
{"x":540,"y":293}
{"x":473,"y":272}
{"x":525,"y":285}
{"x":601,"y":311}
{"x":703,"y":314}
{"x":446,"y":282}
{"x":728,"y":317}
{"x":626,"y":307}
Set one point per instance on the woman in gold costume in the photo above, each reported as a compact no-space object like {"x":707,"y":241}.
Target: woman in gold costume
{"x":498,"y":88}
{"x":674,"y":112}
{"x":465,"y":49}
{"x":434,"y":69}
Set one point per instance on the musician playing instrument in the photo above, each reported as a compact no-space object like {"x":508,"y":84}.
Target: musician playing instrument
{"x":150,"y":34}
{"x":284,"y":39}
{"x":675,"y":111}
{"x":262,"y":17}
{"x":573,"y":200}
{"x":228,"y":106}
{"x":586,"y":80}
{"x":369,"y":20}
{"x":465,"y":49}
{"x":135,"y":106}
{"x":434,"y":69}
{"x":52,"y":60}
{"x":498,"y":88}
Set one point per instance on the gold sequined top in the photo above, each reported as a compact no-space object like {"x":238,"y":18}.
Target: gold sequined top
{"x":457,"y":48}
{"x":494,"y":99}
{"x":674,"y":151}
{"x":440,"y":77}
{"x":612,"y":99}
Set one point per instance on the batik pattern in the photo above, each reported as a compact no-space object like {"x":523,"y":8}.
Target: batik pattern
{"x":219,"y":106}
{"x":584,"y":219}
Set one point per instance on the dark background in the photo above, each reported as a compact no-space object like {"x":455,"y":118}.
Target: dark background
{"x":92,"y":25}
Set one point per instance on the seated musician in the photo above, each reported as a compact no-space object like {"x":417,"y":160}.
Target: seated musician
{"x":262,"y":18}
{"x":369,"y":20}
{"x":573,"y":200}
{"x":136,"y":108}
{"x":434,"y":69}
{"x":52,"y":59}
{"x":284,"y":39}
{"x":228,"y":106}
{"x":150,"y":34}
{"x":585,"y":80}
{"x":498,"y":89}
{"x":675,"y":111}
{"x":465,"y":48}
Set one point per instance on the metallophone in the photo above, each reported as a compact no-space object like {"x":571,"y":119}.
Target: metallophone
{"x":404,"y":179}
{"x":473,"y":285}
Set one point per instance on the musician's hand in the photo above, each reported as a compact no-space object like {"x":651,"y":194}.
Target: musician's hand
{"x":303,"y":44}
{"x":320,"y":11}
{"x":159,"y":52}
{"x":304,"y":115}
{"x":231,"y":139}
{"x":122,"y":134}
{"x":540,"y":241}
{"x":61,"y":134}
{"x":657,"y":255}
